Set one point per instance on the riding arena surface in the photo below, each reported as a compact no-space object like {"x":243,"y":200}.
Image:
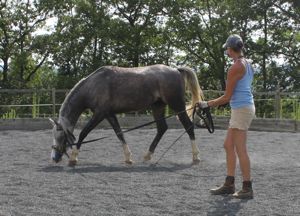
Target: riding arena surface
{"x":101,"y":184}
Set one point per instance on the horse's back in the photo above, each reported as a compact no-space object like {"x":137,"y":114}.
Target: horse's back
{"x":125,"y":89}
{"x":135,"y":76}
{"x":152,"y":69}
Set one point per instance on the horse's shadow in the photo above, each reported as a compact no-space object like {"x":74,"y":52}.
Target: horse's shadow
{"x":226,"y":206}
{"x":102,"y":168}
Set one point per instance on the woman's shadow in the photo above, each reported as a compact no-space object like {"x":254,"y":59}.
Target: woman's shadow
{"x":228,"y":205}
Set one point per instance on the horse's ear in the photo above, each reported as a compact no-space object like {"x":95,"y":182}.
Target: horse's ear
{"x":53,"y":122}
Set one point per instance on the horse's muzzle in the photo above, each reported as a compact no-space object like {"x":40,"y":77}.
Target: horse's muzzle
{"x":56,"y":156}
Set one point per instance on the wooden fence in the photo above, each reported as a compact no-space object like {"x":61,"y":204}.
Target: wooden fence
{"x":275,"y":101}
{"x":258,"y":124}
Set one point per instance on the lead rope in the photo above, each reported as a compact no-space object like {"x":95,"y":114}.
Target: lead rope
{"x":134,"y":128}
{"x":204,"y":114}
{"x":178,"y":138}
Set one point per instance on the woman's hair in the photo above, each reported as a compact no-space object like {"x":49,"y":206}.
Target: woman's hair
{"x":235,"y":42}
{"x":239,"y":47}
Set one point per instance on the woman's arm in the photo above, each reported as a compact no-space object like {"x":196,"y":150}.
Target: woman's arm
{"x":235,"y":73}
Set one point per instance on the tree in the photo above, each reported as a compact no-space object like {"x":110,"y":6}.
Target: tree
{"x":138,"y":34}
{"x":92,"y":33}
{"x":19,"y":20}
{"x":201,"y":29}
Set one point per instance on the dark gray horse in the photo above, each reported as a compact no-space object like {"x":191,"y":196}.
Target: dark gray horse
{"x":110,"y":90}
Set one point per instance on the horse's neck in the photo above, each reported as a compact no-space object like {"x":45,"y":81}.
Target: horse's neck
{"x":70,"y":113}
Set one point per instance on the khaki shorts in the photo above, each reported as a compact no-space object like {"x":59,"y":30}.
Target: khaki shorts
{"x":241,"y":118}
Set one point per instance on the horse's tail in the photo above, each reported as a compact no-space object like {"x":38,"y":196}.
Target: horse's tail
{"x":192,"y":84}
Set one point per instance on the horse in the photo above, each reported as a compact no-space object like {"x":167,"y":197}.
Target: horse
{"x":111,"y":90}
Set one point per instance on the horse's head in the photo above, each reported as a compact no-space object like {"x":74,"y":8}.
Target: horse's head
{"x":62,"y":140}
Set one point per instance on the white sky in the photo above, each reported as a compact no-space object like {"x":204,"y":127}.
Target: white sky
{"x":48,"y":28}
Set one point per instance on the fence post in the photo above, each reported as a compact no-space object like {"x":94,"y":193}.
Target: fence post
{"x":277,"y":102}
{"x":53,"y":102}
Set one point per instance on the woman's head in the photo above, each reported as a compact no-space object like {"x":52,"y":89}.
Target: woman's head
{"x":234,"y":45}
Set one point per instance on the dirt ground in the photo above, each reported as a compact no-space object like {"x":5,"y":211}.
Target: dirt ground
{"x":102,"y":184}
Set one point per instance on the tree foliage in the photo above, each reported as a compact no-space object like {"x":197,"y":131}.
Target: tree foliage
{"x":88,"y":34}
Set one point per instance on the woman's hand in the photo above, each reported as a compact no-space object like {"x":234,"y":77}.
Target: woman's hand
{"x":203,"y":104}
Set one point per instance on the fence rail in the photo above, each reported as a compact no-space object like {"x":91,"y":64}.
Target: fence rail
{"x":18,"y":103}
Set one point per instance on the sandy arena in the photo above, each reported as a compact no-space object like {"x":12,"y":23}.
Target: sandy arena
{"x":102,"y":184}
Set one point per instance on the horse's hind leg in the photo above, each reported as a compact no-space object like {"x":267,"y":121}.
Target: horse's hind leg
{"x":189,"y":127}
{"x":92,"y":123}
{"x":158,"y":114}
{"x":116,"y":126}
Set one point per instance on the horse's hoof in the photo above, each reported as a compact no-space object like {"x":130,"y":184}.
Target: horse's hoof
{"x":196,"y":161}
{"x":129,"y":162}
{"x":147,"y":156}
{"x":72,"y":163}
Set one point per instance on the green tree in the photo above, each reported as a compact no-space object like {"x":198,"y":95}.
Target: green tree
{"x":138,"y":33}
{"x":92,"y":33}
{"x":201,"y":28}
{"x":19,"y":21}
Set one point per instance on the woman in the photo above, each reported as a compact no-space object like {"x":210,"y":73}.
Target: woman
{"x":238,"y":93}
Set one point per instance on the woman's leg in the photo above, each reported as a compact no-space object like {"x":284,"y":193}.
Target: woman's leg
{"x":228,"y":187}
{"x":240,"y":143}
{"x":230,"y":153}
{"x":239,"y":138}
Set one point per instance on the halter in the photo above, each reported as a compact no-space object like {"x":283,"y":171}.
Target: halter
{"x":63,"y":148}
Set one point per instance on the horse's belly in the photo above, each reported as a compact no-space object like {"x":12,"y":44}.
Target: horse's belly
{"x":133,"y":104}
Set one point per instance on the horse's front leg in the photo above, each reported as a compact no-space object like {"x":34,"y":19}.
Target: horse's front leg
{"x":116,"y":126}
{"x":92,"y":123}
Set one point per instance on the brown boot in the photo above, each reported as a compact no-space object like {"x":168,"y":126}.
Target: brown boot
{"x":246,"y":192}
{"x":227,"y":188}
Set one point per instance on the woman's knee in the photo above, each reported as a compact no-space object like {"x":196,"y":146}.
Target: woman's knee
{"x":228,"y":146}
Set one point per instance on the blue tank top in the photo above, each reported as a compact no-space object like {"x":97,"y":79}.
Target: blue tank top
{"x":242,"y":94}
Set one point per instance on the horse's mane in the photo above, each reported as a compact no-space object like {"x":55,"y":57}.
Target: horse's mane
{"x":66,"y":105}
